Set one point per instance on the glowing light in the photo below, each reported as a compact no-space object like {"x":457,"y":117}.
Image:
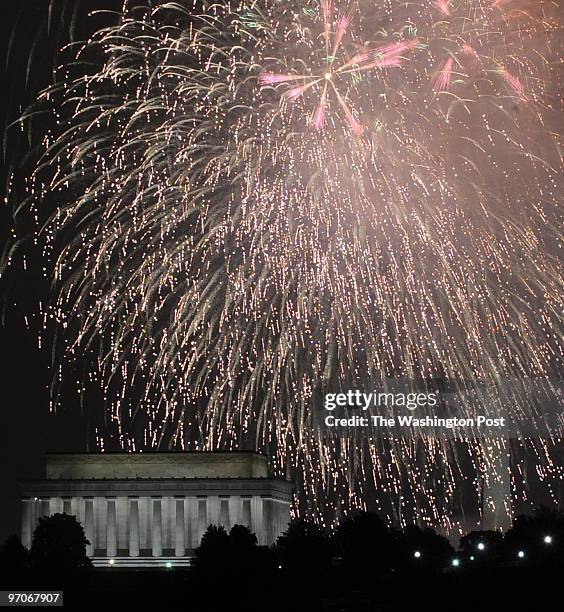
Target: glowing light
{"x":547,"y":539}
{"x":417,"y":554}
{"x":521,"y":554}
{"x":455,"y":562}
{"x":481,"y":546}
{"x":112,"y":562}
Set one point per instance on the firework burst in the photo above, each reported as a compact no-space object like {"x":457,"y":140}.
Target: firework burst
{"x":229,"y":261}
{"x":333,"y":69}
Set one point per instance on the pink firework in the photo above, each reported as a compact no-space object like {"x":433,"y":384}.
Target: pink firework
{"x":443,"y":6}
{"x":387,"y":56}
{"x":471,"y":42}
{"x":443,"y":76}
{"x":515,"y":84}
{"x":469,"y":51}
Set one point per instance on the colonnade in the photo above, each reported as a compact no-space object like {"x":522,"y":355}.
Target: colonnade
{"x":130,"y":525}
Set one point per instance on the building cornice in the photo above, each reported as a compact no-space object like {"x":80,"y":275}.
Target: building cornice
{"x":164,"y":487}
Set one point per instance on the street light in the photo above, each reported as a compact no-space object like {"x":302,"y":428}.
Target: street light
{"x":548,"y":539}
{"x":521,"y":554}
{"x":481,"y":546}
{"x":417,"y":554}
{"x":455,"y":562}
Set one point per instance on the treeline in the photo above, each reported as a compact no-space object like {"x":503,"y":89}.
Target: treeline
{"x":362,"y":547}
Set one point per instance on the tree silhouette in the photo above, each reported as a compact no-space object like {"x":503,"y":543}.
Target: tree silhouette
{"x":367,"y":550}
{"x":236,"y":552}
{"x":246,"y":556}
{"x":422,"y":549}
{"x":59,"y":543}
{"x":241,"y":538}
{"x":366,"y":546}
{"x":213,"y":552}
{"x":540,"y":536}
{"x":484,"y":547}
{"x":305,"y":550}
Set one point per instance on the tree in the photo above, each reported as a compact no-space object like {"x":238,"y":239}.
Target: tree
{"x":366,"y":546}
{"x":236,"y":560}
{"x":213,"y":552}
{"x":59,"y":543}
{"x":421,"y":549}
{"x":242,"y":539}
{"x":540,"y":536}
{"x":246,"y":556}
{"x":482,"y":546}
{"x":305,"y":550}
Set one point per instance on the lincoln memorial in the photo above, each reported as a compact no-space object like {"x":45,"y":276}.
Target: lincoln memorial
{"x":152,"y":508}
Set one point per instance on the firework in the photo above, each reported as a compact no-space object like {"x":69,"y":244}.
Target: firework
{"x":331,"y":70}
{"x":263,"y":199}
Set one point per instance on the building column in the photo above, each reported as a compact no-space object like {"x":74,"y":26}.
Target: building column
{"x":77,"y":508}
{"x":235,"y":510}
{"x":179,"y":536}
{"x":157,"y":525}
{"x":224,"y":512}
{"x":133,"y":527}
{"x":202,"y":517}
{"x":27,"y":521}
{"x":268,"y":521}
{"x":213,"y":510}
{"x":111,"y":540}
{"x":257,"y":518}
{"x":246,"y":512}
{"x":122,"y":527}
{"x":282,"y":512}
{"x":89,"y":524}
{"x":35,"y":513}
{"x":46,"y":507}
{"x":194,"y":530}
{"x":100,"y":535}
{"x":67,"y":505}
{"x":55,"y":505}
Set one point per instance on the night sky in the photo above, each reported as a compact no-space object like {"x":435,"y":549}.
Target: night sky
{"x":27,"y":430}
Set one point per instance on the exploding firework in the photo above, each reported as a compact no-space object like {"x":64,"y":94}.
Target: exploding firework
{"x":262,"y":200}
{"x":331,"y":70}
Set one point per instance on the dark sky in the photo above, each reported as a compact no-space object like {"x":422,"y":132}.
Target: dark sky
{"x":27,"y":430}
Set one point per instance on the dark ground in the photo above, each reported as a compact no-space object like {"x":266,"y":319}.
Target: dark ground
{"x":510,"y":588}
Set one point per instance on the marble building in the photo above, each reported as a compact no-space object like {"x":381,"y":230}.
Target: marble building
{"x":152,"y":508}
